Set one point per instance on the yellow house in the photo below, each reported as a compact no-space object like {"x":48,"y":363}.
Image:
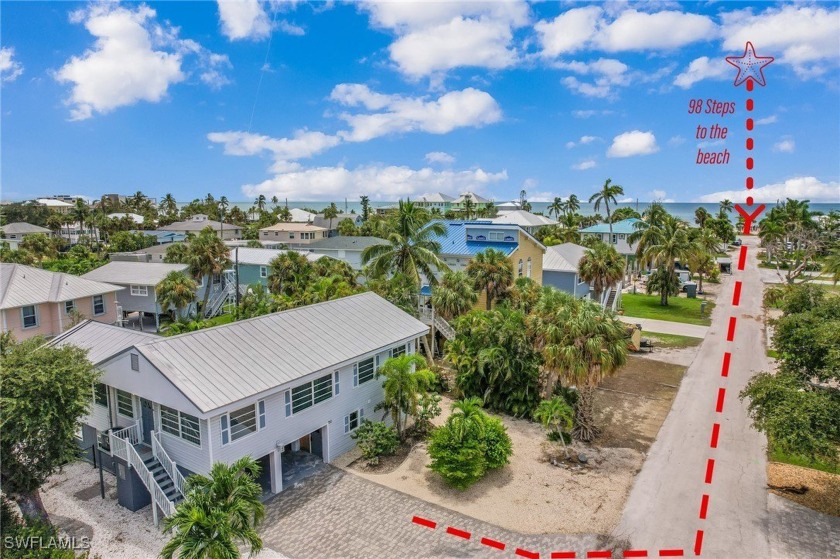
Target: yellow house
{"x":464,"y":239}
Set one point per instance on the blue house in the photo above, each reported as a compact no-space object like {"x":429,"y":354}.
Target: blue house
{"x":561,"y":269}
{"x":621,"y":230}
{"x":253,"y":263}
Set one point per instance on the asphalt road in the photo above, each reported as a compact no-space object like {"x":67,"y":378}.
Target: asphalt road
{"x":664,"y":507}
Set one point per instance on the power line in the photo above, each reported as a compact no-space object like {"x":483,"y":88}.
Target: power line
{"x":263,"y":69}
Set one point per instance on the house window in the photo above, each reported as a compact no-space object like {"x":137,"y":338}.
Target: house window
{"x":335,"y":382}
{"x":100,"y":394}
{"x":182,"y":425}
{"x":125,"y":405}
{"x":263,"y":271}
{"x":29,"y":316}
{"x":135,"y":362}
{"x":529,"y":266}
{"x":139,"y":290}
{"x":261,"y":409}
{"x":496,"y":236}
{"x":217,"y":279}
{"x":621,"y":236}
{"x":614,"y":238}
{"x":363,"y":371}
{"x":353,"y":420}
{"x":519,"y":269}
{"x":311,"y":393}
{"x":277,"y":233}
{"x":288,"y":398}
{"x":239,"y":423}
{"x":397,"y":351}
{"x":69,"y":307}
{"x":98,"y":305}
{"x":291,"y":235}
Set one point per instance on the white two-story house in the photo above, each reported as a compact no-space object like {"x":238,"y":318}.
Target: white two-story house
{"x":285,"y":388}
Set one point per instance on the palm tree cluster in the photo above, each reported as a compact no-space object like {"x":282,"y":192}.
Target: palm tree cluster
{"x":205,"y":254}
{"x":794,"y":241}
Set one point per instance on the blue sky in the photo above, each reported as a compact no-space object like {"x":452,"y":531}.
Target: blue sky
{"x":322,"y":101}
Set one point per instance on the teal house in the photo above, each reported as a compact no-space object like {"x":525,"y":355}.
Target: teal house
{"x":253,"y":263}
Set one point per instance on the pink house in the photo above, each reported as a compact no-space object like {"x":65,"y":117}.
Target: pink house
{"x":38,"y":302}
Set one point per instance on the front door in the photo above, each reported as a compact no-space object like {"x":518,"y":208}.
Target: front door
{"x":148,"y":417}
{"x":317,"y":444}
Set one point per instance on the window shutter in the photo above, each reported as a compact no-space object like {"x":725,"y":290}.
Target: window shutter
{"x":361,"y":415}
{"x":346,"y":423}
{"x":356,"y":374}
{"x":288,"y":398}
{"x":335,"y":380}
{"x":262,"y":413}
{"x":225,"y":434}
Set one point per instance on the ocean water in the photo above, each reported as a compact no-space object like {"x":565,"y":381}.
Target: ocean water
{"x":682,"y":210}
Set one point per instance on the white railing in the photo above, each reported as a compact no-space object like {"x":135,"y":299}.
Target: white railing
{"x":444,"y":327}
{"x":158,"y":496}
{"x":168,"y":464}
{"x":124,"y":438}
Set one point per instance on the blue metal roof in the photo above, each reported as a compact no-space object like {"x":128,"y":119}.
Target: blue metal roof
{"x":455,"y":241}
{"x":624,"y":226}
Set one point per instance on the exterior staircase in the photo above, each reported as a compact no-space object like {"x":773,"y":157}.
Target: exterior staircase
{"x":161,"y":477}
{"x":610,"y":299}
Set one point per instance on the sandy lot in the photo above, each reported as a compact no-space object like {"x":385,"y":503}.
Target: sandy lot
{"x":531,"y":495}
{"x":823,"y":492}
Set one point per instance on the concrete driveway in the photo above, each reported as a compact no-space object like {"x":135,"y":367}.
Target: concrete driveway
{"x":665,"y":506}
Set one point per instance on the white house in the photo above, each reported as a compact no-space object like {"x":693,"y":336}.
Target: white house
{"x":285,"y":388}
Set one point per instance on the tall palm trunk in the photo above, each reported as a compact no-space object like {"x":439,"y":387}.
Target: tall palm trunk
{"x":585,"y":429}
{"x":31,"y":506}
{"x":489,"y":299}
{"x":207,"y":293}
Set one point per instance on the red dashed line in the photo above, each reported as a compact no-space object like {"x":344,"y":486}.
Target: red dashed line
{"x":493,"y":543}
{"x":698,"y":542}
{"x":635,"y":553}
{"x":736,"y":295}
{"x":563,"y":555}
{"x":424,"y":522}
{"x":721,"y":396}
{"x":606,"y":554}
{"x":715,"y":435}
{"x":710,"y":470}
{"x":727,"y":359}
{"x":527,"y":554}
{"x":458,"y":533}
{"x":730,"y":332}
{"x":704,"y":507}
{"x":742,"y":257}
{"x":670,"y":552}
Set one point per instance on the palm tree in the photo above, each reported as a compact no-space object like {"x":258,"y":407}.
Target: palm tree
{"x":469,"y":207}
{"x":669,"y":245}
{"x":260,"y":202}
{"x":176,"y":290}
{"x":407,"y":378}
{"x":467,"y":419}
{"x":557,"y":207}
{"x":606,"y":195}
{"x":80,"y":213}
{"x":583,"y":343}
{"x":219,"y":514}
{"x":725,"y":207}
{"x":572,"y":204}
{"x":39,"y":246}
{"x":701,"y":214}
{"x":326,"y":289}
{"x":601,"y":266}
{"x":331,"y":212}
{"x":288,"y":273}
{"x":771,"y":232}
{"x":491,"y":272}
{"x":832,"y":265}
{"x":168,"y":204}
{"x":177,"y":253}
{"x":275,"y":201}
{"x":556,"y":415}
{"x":207,"y":256}
{"x":284,"y":214}
{"x":411,"y":249}
{"x":454,"y":295}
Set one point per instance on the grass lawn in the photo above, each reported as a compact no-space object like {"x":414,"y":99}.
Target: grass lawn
{"x":796,"y":460}
{"x":773,"y":353}
{"x":679,"y":309}
{"x":673,"y":340}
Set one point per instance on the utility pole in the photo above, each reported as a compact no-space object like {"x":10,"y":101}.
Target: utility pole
{"x":236,"y":273}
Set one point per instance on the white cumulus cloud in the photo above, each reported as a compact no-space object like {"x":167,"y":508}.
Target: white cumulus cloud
{"x":584,"y":165}
{"x":243,"y":19}
{"x":133,"y":59}
{"x":659,"y":196}
{"x":302,"y":144}
{"x":395,"y":113}
{"x":380,"y":182}
{"x":10,"y":68}
{"x":799,"y":188}
{"x":439,"y":157}
{"x":702,"y":68}
{"x":633,"y":143}
{"x":785,"y":145}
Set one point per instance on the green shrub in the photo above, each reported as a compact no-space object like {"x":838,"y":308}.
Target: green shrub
{"x":428,"y":408}
{"x":460,"y":463}
{"x":498,"y":447}
{"x":376,"y":439}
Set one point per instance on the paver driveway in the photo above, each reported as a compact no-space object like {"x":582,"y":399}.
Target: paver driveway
{"x":337,"y":515}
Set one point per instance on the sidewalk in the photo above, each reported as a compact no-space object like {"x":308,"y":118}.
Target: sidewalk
{"x":667,"y":327}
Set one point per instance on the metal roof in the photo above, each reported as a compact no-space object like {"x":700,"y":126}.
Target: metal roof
{"x":198,"y":225}
{"x":563,"y":258}
{"x":24,"y":285}
{"x":134,"y":273}
{"x":346,"y":243}
{"x":435,"y":197}
{"x":263,"y":256}
{"x":624,"y":227}
{"x":523,"y":219}
{"x":455,"y":242}
{"x":23,"y":228}
{"x":222,"y":365}
{"x":101,"y":340}
{"x":293,"y":226}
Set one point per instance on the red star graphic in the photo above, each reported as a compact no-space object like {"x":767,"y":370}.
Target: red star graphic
{"x":750,"y":66}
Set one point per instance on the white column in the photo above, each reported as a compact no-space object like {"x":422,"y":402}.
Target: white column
{"x":276,"y":465}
